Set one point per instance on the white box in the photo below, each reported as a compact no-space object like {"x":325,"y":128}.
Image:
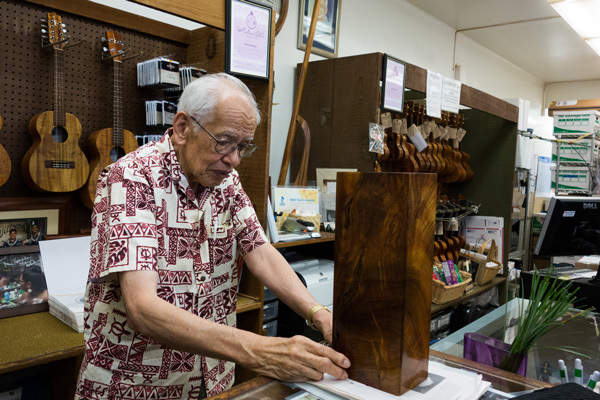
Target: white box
{"x":582,"y":151}
{"x":571,"y":178}
{"x":478,"y":229}
{"x":576,"y":122}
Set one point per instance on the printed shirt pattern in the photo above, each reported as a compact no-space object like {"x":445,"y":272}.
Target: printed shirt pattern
{"x":146,"y":217}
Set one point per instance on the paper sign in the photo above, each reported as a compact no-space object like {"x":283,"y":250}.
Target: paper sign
{"x":434,"y":94}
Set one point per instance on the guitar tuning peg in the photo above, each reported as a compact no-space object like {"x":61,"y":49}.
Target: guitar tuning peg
{"x":44,"y":31}
{"x":105,"y":49}
{"x":103,"y":39}
{"x":64,"y":31}
{"x":43,"y":20}
{"x":63,"y":25}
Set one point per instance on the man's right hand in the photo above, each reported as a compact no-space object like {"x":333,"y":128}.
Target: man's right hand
{"x":294,"y":359}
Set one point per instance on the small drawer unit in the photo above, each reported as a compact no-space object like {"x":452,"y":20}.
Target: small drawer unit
{"x":270,"y":310}
{"x":270,"y":328}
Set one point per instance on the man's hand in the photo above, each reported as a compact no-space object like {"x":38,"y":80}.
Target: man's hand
{"x":323,"y":321}
{"x":295,"y":359}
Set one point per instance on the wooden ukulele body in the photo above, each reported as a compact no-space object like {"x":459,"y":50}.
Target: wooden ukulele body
{"x":5,"y":164}
{"x":102,"y":153}
{"x":52,"y":166}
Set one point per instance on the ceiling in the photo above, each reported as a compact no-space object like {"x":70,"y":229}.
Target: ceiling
{"x":528,"y":33}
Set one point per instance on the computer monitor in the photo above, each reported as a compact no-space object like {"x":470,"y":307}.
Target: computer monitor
{"x":571,"y":227}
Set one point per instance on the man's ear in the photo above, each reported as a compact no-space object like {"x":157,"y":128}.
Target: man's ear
{"x":180,"y":123}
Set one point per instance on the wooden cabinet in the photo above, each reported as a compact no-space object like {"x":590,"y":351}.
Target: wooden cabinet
{"x":341,"y":98}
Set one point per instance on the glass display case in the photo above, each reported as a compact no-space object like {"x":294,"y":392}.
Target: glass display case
{"x":581,"y":335}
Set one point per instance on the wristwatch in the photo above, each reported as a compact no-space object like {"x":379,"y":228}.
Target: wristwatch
{"x":311,"y":313}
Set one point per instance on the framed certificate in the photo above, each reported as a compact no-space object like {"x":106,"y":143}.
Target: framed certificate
{"x":248,"y":39}
{"x":392,"y":92}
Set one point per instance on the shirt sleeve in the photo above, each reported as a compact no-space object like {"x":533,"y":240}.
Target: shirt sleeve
{"x":249,"y":233}
{"x":124,"y":223}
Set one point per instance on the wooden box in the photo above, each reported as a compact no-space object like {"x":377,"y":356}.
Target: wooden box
{"x":382,"y":279}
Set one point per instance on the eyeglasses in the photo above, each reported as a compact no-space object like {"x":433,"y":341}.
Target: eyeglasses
{"x":225,"y":147}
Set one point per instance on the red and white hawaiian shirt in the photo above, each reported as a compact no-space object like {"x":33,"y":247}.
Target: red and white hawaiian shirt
{"x":146,"y":217}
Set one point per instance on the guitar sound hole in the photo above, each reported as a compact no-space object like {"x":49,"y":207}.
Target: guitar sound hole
{"x":116,"y":152}
{"x":59,"y":134}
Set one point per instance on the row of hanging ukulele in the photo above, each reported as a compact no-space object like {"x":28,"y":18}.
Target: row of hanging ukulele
{"x":55,"y":162}
{"x":448,"y":242}
{"x":443,"y":154}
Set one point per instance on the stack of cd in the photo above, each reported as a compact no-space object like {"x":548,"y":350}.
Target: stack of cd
{"x":158,"y":72}
{"x":160,"y":112}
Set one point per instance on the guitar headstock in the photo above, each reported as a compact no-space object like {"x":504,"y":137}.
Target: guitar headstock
{"x":57,"y":34}
{"x":115,"y":46}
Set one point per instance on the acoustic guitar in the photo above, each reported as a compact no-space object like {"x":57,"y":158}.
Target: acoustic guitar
{"x":109,"y":144}
{"x":55,"y":163}
{"x":4,"y":163}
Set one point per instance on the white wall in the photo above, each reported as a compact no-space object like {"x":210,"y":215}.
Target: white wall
{"x":406,"y":32}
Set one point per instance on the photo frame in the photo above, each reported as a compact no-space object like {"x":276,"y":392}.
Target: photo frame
{"x":326,"y":39}
{"x":248,"y":39}
{"x":392,"y":87}
{"x":23,"y":282}
{"x":52,"y":210}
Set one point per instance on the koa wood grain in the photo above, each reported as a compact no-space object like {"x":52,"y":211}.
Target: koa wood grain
{"x":382,"y":279}
{"x":4,"y":162}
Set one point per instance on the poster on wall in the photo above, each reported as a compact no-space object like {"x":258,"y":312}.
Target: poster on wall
{"x":392,"y":92}
{"x":248,"y":39}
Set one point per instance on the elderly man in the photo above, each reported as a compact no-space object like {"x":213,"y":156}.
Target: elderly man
{"x":168,"y":222}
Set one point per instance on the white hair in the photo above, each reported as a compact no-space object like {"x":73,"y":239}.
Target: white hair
{"x":200,"y":98}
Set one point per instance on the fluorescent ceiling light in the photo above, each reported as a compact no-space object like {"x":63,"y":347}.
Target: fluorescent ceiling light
{"x":583,"y":16}
{"x":594,"y":44}
{"x":151,"y":13}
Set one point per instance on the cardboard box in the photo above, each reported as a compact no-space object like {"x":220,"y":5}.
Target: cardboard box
{"x":576,"y":122}
{"x":571,"y":178}
{"x":573,"y":105}
{"x":540,"y":205}
{"x":478,"y":229}
{"x":584,"y":150}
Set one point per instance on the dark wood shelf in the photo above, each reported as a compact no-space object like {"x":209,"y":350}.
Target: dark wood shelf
{"x":435,"y":308}
{"x":325,"y":237}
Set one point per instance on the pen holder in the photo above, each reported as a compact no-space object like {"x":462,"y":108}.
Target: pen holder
{"x":442,"y":293}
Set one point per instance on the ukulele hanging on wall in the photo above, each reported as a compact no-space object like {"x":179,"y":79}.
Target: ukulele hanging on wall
{"x":4,"y":163}
{"x":55,"y":163}
{"x":109,"y":144}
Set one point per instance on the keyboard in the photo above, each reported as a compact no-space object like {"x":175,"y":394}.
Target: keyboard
{"x":561,"y":271}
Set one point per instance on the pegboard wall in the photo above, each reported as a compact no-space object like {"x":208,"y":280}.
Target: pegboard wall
{"x":27,"y":82}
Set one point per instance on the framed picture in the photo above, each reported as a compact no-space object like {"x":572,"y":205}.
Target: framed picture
{"x":48,"y":213}
{"x":248,"y":39}
{"x":392,"y":92}
{"x":23,"y":288}
{"x":325,"y":41}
